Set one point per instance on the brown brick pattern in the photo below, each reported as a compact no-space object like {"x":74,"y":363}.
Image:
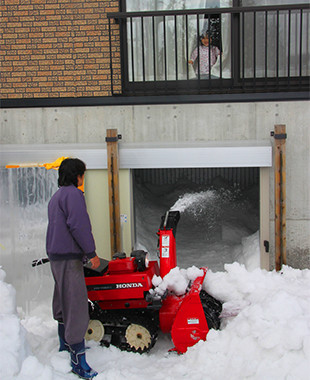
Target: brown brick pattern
{"x":57,"y":48}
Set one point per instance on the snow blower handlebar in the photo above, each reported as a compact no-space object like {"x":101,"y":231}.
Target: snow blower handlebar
{"x":39,"y":262}
{"x":88,"y":269}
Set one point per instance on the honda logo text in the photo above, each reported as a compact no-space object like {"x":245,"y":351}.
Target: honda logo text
{"x":129,"y":285}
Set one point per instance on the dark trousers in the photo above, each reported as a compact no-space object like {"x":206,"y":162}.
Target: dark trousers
{"x":70,"y":301}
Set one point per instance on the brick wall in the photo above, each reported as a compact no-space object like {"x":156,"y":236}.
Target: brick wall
{"x":56,"y":48}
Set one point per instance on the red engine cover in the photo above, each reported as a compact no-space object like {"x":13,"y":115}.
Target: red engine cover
{"x":122,"y":265}
{"x":121,"y":289}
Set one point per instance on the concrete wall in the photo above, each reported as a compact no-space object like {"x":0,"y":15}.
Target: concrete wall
{"x":162,"y":124}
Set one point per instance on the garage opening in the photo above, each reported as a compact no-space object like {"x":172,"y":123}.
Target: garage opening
{"x":220,"y":214}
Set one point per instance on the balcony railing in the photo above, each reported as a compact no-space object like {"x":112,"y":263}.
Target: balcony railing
{"x":251,"y":49}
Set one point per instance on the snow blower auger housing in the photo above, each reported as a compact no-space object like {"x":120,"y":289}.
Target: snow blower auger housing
{"x":124,"y":312}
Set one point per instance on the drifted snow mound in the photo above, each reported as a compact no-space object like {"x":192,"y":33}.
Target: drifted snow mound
{"x":266,"y":324}
{"x":13,"y":347}
{"x":264,"y":334}
{"x":248,"y":253}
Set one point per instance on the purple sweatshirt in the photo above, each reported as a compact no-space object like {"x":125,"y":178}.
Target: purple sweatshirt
{"x":69,"y":234}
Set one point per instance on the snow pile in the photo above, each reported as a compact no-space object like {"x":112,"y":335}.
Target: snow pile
{"x":176,"y":281}
{"x":269,"y":337}
{"x":249,"y":252}
{"x":265,"y":334}
{"x":13,"y":346}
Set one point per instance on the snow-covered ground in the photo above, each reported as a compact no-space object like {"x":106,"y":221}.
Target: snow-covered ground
{"x":265,"y":329}
{"x":265,"y":334}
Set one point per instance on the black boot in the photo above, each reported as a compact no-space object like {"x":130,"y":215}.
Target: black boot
{"x":78,"y":362}
{"x":63,"y":345}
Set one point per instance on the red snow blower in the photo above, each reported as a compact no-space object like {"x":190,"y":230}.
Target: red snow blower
{"x":125,"y":312}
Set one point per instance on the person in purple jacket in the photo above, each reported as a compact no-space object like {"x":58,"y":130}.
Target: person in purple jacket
{"x":69,"y":244}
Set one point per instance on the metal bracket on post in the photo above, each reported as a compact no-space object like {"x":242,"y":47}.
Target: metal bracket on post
{"x":113,"y":139}
{"x":278,"y":136}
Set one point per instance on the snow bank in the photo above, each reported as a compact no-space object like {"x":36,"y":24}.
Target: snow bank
{"x":249,"y":252}
{"x":13,"y":347}
{"x":265,"y":334}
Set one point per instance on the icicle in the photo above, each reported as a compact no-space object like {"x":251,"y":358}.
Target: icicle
{"x":24,"y":194}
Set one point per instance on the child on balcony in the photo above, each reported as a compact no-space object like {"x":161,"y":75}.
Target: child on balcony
{"x":205,"y":48}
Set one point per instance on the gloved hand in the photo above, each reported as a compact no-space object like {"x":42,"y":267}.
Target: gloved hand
{"x":95,"y":262}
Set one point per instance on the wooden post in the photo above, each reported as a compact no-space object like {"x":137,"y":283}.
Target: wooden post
{"x":280,"y":195}
{"x":113,"y":182}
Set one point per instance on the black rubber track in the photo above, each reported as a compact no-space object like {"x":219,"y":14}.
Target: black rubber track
{"x":115,"y":323}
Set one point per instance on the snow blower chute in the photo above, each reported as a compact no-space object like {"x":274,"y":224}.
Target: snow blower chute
{"x":125,"y":312}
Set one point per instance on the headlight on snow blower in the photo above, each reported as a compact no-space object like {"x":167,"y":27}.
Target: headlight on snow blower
{"x":141,"y":259}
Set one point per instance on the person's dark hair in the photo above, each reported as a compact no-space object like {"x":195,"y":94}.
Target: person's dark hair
{"x":69,"y":170}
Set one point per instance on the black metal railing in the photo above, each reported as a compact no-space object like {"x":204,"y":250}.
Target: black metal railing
{"x":251,"y":49}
